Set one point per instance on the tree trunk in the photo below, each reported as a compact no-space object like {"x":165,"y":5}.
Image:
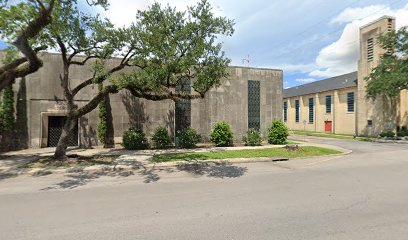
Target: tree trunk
{"x":61,"y":150}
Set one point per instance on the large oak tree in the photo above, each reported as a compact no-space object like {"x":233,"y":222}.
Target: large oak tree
{"x":21,"y":24}
{"x":163,"y":49}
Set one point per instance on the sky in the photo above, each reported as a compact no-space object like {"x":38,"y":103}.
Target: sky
{"x":309,"y":40}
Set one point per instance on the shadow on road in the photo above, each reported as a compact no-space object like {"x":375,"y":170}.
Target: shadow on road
{"x":207,"y":169}
{"x":82,"y":178}
{"x":213,"y":169}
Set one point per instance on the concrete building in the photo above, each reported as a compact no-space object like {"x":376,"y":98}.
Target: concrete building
{"x":340,"y":104}
{"x":250,"y":97}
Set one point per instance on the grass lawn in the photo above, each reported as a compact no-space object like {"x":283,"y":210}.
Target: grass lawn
{"x":307,"y":151}
{"x":330,"y":135}
{"x":77,"y":161}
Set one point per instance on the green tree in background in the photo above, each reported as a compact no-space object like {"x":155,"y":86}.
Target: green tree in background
{"x":391,"y":75}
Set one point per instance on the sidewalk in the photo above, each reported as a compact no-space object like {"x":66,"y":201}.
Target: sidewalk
{"x":12,"y":162}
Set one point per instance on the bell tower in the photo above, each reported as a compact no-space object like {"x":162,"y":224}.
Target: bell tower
{"x":373,"y":116}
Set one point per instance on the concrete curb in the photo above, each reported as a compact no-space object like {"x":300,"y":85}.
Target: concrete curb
{"x":131,"y":164}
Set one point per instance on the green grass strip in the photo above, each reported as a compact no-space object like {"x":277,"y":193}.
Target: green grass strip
{"x":307,"y":151}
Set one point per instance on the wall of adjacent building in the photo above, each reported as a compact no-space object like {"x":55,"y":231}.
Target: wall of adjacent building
{"x":343,"y":122}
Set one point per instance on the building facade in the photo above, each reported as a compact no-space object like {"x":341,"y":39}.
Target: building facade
{"x":323,"y":106}
{"x":249,"y":97}
{"x":340,"y":104}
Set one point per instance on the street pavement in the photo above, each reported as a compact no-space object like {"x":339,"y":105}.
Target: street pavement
{"x":363,"y":195}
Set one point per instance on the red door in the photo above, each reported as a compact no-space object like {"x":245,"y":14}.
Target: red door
{"x":328,"y":126}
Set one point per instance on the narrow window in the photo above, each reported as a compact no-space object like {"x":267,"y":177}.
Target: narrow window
{"x":183,"y":108}
{"x":254,"y":104}
{"x":297,"y":106}
{"x":369,"y":123}
{"x":350,"y":102}
{"x":311,"y":110}
{"x":370,"y":50}
{"x":285,"y":111}
{"x":328,"y":104}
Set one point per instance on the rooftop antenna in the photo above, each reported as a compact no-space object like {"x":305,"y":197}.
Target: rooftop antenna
{"x":246,"y":61}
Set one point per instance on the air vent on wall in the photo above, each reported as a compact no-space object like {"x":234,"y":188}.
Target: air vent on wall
{"x":370,"y":50}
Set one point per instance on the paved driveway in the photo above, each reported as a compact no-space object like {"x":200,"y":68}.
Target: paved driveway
{"x":363,"y":195}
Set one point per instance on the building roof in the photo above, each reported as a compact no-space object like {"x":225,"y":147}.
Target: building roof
{"x":338,"y":82}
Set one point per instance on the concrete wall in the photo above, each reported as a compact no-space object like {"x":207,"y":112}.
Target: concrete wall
{"x":343,"y":122}
{"x":378,"y":111}
{"x":42,"y":97}
{"x":403,"y":109}
{"x":229,"y":102}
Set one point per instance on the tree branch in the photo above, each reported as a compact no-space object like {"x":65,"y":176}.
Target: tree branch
{"x":159,"y":97}
{"x":100,"y":79}
{"x":91,"y":105}
{"x":22,"y":43}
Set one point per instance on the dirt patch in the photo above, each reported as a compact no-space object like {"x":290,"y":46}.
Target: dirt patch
{"x":73,"y":160}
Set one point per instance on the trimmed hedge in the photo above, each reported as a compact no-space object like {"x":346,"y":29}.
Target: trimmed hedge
{"x":403,"y":132}
{"x":389,"y":134}
{"x":161,"y":138}
{"x":135,"y":139}
{"x":278,"y":133}
{"x":188,"y":138}
{"x":252,"y":138}
{"x":222,"y":135}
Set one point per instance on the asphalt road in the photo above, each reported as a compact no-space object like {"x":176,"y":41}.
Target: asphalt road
{"x":363,"y":195}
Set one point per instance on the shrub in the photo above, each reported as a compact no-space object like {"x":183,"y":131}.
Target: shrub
{"x":7,"y":110}
{"x":388,"y":134}
{"x":403,"y":132}
{"x":102,"y":128}
{"x":134,"y":139}
{"x":278,"y":133}
{"x":252,"y":138}
{"x":188,"y":138}
{"x":161,"y":138}
{"x":222,"y":134}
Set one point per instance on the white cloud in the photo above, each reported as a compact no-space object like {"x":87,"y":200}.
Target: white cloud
{"x":342,"y":56}
{"x":305,"y":80}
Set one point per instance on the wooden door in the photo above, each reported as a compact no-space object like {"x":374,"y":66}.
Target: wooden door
{"x":328,"y":126}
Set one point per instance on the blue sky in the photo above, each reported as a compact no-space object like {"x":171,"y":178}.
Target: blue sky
{"x":308,"y":39}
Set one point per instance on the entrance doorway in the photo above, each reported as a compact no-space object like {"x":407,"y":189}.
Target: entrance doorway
{"x":55,"y":126}
{"x":328,"y":126}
